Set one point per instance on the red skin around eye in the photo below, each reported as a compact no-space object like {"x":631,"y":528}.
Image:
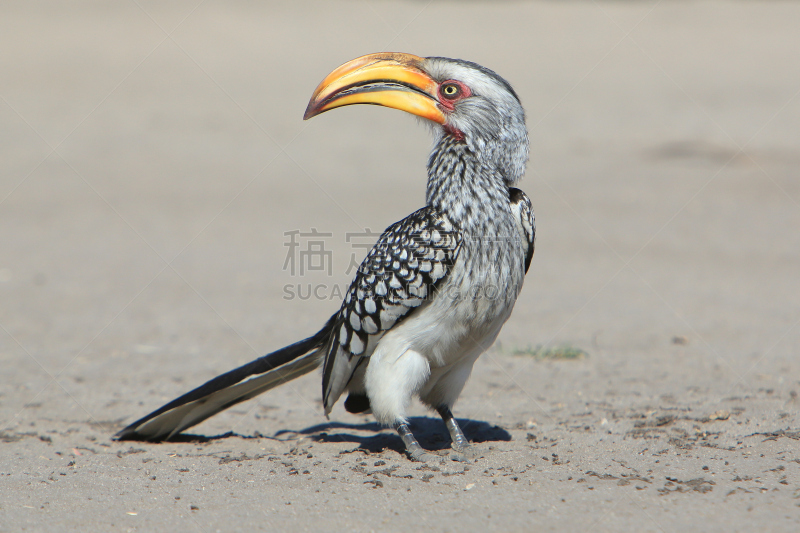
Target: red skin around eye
{"x":449,"y":104}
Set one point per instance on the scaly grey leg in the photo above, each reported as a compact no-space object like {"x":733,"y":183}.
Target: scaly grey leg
{"x":413,"y":448}
{"x":463,"y":449}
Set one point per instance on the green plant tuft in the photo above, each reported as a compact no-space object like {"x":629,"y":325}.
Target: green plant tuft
{"x":562,"y":351}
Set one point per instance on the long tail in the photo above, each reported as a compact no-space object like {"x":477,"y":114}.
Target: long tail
{"x":231,"y":388}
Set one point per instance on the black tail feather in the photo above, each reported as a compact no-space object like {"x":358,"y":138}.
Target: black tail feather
{"x":259,"y":366}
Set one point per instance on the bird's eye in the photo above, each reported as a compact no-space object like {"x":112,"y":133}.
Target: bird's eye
{"x":451,"y":91}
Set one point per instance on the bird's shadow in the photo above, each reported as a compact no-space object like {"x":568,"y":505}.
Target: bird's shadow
{"x":430,"y":432}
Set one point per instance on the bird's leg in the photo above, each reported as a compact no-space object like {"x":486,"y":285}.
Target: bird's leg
{"x":413,"y":448}
{"x":461,"y":446}
{"x":457,"y":436}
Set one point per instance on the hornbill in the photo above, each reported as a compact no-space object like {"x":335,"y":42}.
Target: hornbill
{"x":436,"y":288}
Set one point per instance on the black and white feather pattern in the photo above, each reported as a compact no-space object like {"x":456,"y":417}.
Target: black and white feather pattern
{"x":432,"y":294}
{"x":401,"y":272}
{"x":521,"y":205}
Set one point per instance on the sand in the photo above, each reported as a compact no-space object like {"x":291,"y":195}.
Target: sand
{"x":154,"y":162}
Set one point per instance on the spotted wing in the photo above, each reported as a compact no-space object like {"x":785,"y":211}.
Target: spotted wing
{"x":526,"y":221}
{"x":411,"y":258}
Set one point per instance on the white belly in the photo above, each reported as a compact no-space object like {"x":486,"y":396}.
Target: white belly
{"x":431,"y":353}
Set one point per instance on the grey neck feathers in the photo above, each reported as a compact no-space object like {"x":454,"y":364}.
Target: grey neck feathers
{"x":470,"y":191}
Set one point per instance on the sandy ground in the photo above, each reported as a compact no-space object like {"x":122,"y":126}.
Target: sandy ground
{"x":153,"y":156}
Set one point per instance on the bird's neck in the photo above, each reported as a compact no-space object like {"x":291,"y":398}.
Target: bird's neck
{"x":469,"y":191}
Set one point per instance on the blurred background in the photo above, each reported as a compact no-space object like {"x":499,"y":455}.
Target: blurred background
{"x":153,"y":160}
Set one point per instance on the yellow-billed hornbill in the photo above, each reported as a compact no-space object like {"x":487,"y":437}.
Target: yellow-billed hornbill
{"x":436,"y":288}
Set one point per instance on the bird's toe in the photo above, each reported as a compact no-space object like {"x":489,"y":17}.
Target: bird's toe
{"x":466,"y":453}
{"x":422,"y":456}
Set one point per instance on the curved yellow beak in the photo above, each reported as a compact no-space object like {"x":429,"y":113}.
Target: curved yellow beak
{"x":388,"y":79}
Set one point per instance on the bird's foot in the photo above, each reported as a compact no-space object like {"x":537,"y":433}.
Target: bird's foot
{"x":466,"y":453}
{"x":420,"y":455}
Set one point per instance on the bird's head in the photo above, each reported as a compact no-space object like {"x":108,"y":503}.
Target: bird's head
{"x":462,"y":99}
